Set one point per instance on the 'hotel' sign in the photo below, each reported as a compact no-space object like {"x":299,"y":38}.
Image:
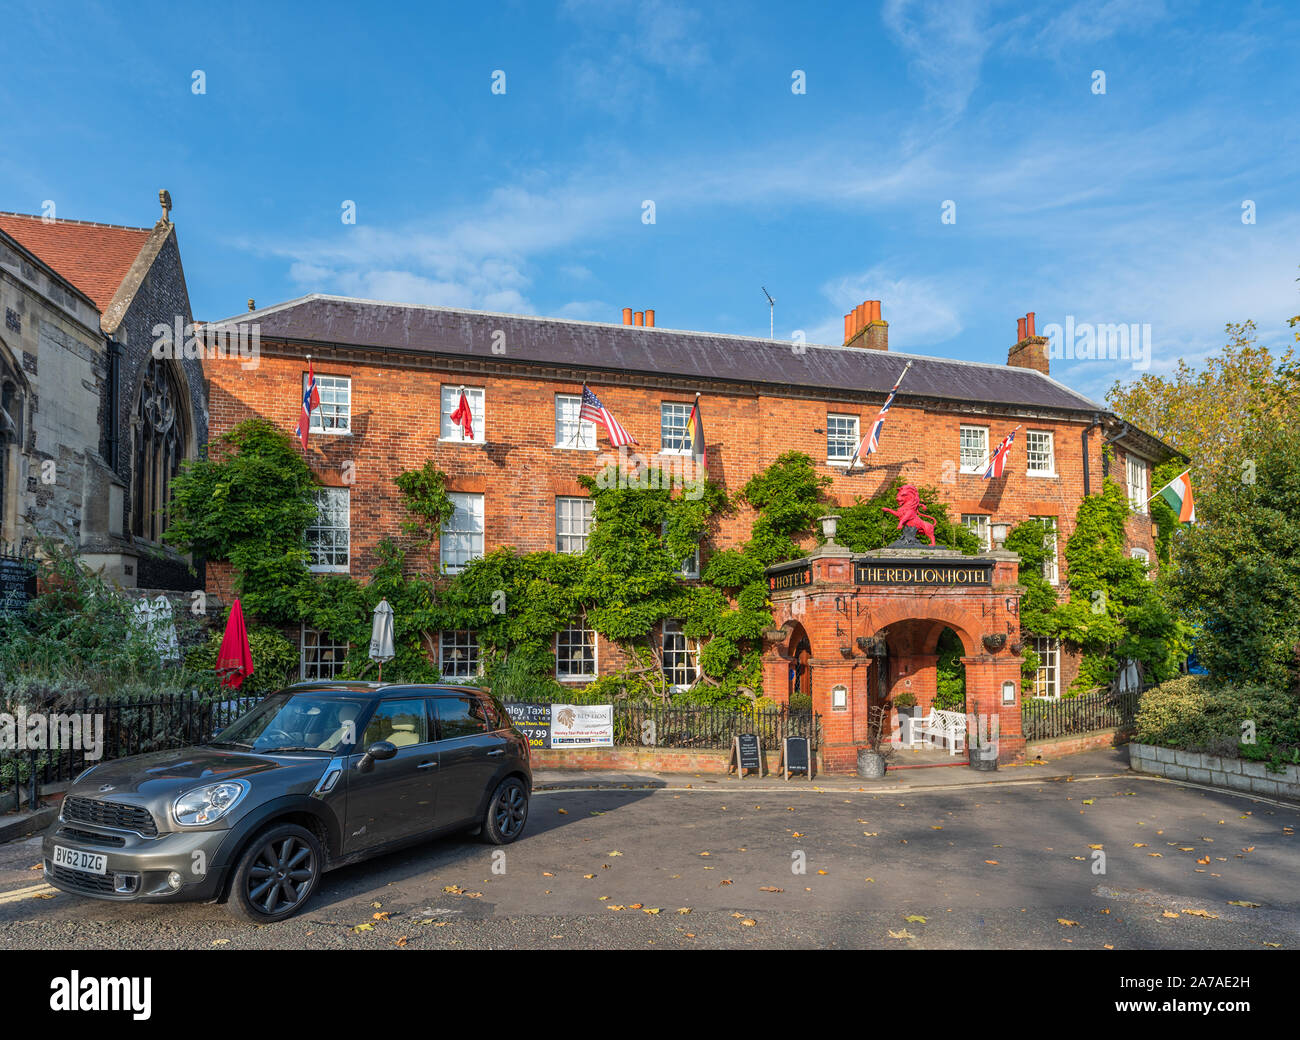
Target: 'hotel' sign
{"x":908,"y":572}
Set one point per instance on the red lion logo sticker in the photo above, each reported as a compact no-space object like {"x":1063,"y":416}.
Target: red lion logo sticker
{"x":911,"y":512}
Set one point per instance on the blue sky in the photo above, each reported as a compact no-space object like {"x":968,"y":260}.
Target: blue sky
{"x":1116,"y":207}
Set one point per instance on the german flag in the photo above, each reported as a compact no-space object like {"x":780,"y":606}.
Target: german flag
{"x":695,"y":436}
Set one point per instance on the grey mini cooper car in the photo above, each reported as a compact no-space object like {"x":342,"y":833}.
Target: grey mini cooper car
{"x":313,"y":777}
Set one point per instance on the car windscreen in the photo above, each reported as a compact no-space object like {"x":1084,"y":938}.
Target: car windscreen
{"x":297,"y":721}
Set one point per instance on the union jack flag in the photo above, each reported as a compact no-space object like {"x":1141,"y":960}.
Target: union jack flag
{"x":593,"y":411}
{"x":310,"y":402}
{"x":998,"y":460}
{"x":871,"y":442}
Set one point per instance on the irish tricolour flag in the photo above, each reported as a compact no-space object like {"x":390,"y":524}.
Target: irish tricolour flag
{"x":1178,"y":493}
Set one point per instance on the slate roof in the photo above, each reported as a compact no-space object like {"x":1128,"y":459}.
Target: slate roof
{"x":596,"y":347}
{"x":93,"y":257}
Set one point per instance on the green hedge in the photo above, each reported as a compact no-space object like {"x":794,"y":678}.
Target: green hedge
{"x":1196,"y":713}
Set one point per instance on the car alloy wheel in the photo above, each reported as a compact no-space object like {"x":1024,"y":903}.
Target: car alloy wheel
{"x":281,"y":875}
{"x":511,"y":811}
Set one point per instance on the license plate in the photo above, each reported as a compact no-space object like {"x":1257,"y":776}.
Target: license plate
{"x":75,"y":859}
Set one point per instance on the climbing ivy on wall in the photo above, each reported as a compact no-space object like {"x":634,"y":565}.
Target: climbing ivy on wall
{"x":1113,"y":612}
{"x":250,"y":504}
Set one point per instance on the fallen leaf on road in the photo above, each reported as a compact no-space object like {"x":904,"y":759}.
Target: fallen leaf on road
{"x":563,"y":812}
{"x":635,"y":906}
{"x":1169,"y":913}
{"x":401,"y":941}
{"x":1200,"y":913}
{"x":749,"y":922}
{"x":904,"y":934}
{"x":382,"y":916}
{"x":650,"y":910}
{"x":914,"y":919}
{"x":991,"y":862}
{"x":726,"y":881}
{"x":367,"y":927}
{"x":1205,"y":860}
{"x":1242,"y":902}
{"x":1139,"y":844}
{"x":769,"y":888}
{"x":614,"y":906}
{"x":683,"y":909}
{"x":1088,"y":801}
{"x":220,"y":942}
{"x":547,"y":873}
{"x":1096,"y":846}
{"x":1274,"y":945}
{"x":453,"y":889}
{"x":1157,"y":855}
{"x":1068,"y":924}
{"x":613,"y":853}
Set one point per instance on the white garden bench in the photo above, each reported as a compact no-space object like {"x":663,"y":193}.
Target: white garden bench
{"x":946,"y":727}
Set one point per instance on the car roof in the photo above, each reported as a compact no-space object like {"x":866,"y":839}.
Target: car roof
{"x":352,"y":687}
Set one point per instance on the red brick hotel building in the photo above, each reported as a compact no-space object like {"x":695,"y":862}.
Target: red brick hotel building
{"x":390,"y":376}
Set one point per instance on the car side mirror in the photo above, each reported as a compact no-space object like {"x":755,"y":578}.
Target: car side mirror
{"x":376,"y":752}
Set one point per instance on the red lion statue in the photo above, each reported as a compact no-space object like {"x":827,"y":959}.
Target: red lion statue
{"x":910,"y":512}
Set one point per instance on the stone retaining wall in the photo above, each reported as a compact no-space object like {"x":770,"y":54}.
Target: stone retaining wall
{"x":1233,"y":773}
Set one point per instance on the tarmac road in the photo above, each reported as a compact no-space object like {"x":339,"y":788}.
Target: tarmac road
{"x":998,"y":866}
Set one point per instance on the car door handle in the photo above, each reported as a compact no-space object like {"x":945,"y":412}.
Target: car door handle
{"x":427,"y":765}
{"x":498,"y":751}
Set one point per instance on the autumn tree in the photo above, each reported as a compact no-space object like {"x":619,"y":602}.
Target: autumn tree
{"x":1211,"y":414}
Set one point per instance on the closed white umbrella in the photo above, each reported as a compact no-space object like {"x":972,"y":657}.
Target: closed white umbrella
{"x":381,"y":636}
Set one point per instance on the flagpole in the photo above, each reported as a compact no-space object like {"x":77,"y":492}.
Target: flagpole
{"x":577,"y":426}
{"x":858,"y":450}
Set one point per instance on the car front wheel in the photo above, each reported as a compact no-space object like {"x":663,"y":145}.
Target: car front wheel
{"x":507,"y":812}
{"x":277,"y":874}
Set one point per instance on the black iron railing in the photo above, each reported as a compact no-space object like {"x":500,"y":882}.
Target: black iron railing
{"x":1042,"y":718}
{"x":129,"y":727}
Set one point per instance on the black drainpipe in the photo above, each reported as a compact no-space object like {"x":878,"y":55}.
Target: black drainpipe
{"x":1096,"y":421}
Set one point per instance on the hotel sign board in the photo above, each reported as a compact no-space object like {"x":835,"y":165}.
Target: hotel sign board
{"x":943,"y":574}
{"x":789,"y":578}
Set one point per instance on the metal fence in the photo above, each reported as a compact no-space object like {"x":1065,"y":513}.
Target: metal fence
{"x":1041,"y":718}
{"x":130,"y":727}
{"x":673,"y":726}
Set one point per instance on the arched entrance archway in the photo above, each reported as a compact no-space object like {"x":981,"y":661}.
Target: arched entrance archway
{"x":799,"y":683}
{"x":160,"y":436}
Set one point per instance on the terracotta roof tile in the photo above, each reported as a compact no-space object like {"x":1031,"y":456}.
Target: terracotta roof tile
{"x":93,"y":257}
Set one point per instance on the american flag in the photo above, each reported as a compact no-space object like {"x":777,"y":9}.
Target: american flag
{"x":310,"y":402}
{"x":593,"y":411}
{"x":871,"y":442}
{"x":998,"y":460}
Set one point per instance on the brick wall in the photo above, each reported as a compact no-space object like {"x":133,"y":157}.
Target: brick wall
{"x":520,"y":471}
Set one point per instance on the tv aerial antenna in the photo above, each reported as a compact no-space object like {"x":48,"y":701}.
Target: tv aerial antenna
{"x":771,"y":313}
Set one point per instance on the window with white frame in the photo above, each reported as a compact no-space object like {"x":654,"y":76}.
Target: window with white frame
{"x":575,"y":652}
{"x":980,"y":526}
{"x":572,"y":524}
{"x":1051,"y":568}
{"x":1042,"y":458}
{"x":458,"y":655}
{"x":329,"y":537}
{"x":462,"y":532}
{"x":1047,"y":680}
{"x":451,"y":429}
{"x":974,"y":449}
{"x":334,"y":414}
{"x":681,"y":656}
{"x":1136,"y":471}
{"x":320,"y":655}
{"x":571,"y":431}
{"x":841,"y":437}
{"x":1141,"y":554}
{"x":673,"y":420}
{"x":689,"y":567}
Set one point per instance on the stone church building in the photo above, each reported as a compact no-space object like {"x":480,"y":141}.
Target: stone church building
{"x":93,"y":426}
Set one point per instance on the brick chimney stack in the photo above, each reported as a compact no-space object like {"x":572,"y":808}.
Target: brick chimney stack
{"x":864,"y":327}
{"x":1030,"y":349}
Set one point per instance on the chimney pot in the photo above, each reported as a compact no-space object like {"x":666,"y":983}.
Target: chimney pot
{"x":627,"y":315}
{"x":638,"y":318}
{"x":1029,"y":324}
{"x":650,"y":319}
{"x":1020,"y":329}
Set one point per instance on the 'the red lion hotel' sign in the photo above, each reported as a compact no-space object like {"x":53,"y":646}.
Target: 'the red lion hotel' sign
{"x":908,"y":572}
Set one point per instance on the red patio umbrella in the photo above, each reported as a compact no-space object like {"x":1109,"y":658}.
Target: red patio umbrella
{"x":234,"y":659}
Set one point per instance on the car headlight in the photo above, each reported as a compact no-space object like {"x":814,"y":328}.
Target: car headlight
{"x":85,"y":773}
{"x":205,"y":805}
